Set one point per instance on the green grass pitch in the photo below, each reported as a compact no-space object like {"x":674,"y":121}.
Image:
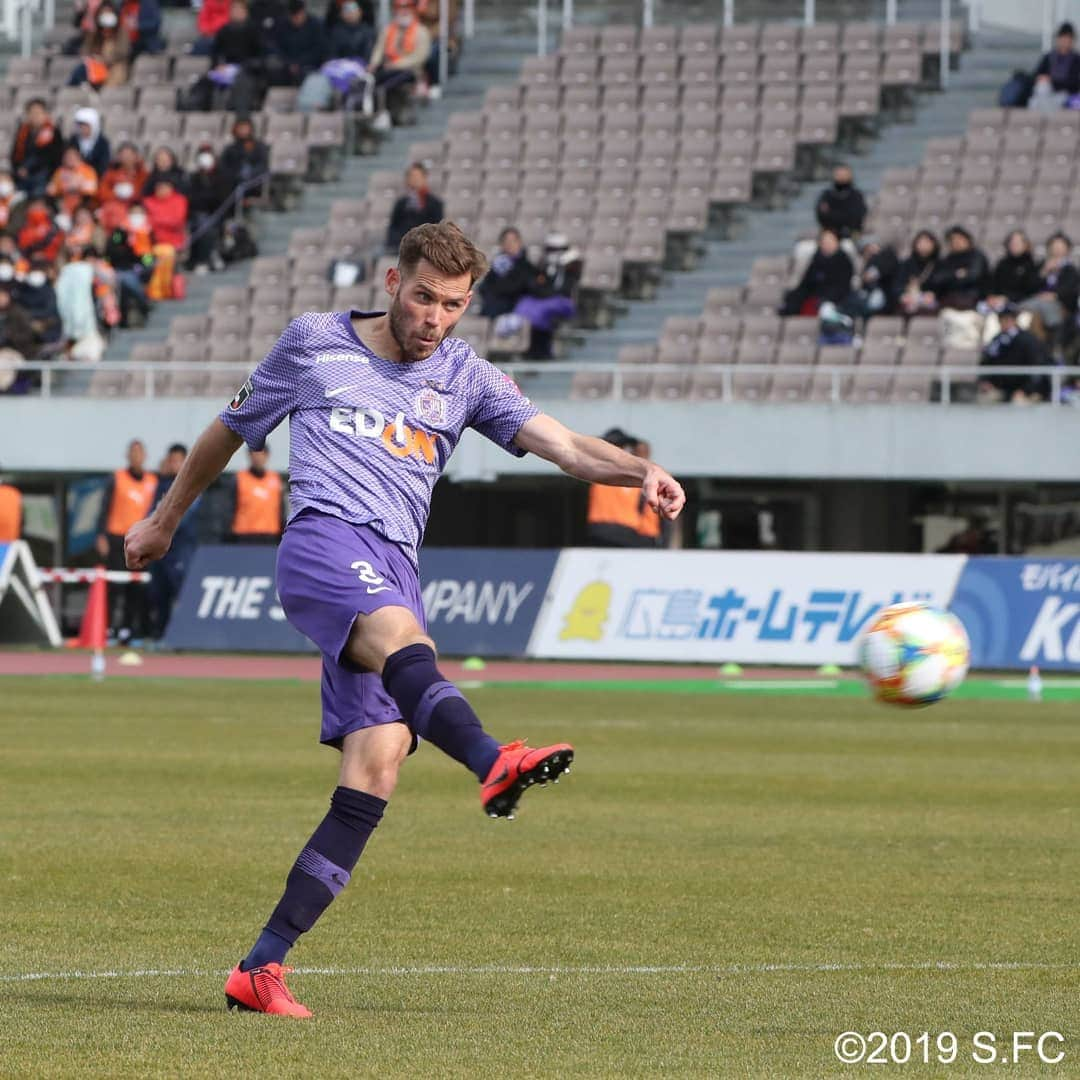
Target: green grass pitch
{"x":790,"y":866}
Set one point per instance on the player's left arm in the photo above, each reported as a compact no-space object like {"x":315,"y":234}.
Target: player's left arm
{"x":598,"y":462}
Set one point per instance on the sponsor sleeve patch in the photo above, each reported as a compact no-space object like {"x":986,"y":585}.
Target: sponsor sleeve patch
{"x":241,"y":395}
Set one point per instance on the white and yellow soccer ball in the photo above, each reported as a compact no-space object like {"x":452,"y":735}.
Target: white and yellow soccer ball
{"x":915,"y":654}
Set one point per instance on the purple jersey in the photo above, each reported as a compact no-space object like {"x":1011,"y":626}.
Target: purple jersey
{"x":368,"y":436}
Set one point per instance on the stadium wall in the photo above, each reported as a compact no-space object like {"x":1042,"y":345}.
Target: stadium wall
{"x":811,"y":441}
{"x":692,"y":606}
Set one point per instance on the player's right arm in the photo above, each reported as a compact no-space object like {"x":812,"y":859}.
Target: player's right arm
{"x":150,"y":538}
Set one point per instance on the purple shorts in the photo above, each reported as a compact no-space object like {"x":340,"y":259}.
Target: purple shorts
{"x":328,"y":572}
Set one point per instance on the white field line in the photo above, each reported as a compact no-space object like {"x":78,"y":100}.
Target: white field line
{"x":498,"y":969}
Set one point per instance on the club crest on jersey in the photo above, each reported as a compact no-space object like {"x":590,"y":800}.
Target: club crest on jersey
{"x":431,"y":406}
{"x":241,"y":395}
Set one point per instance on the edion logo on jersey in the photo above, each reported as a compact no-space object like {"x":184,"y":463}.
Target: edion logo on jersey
{"x":397,"y":437}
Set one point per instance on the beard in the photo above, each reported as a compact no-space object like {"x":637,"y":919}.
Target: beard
{"x":411,"y":350}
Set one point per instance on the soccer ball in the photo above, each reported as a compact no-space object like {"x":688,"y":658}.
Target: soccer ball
{"x":915,"y":654}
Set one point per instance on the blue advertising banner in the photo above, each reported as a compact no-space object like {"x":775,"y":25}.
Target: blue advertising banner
{"x":1021,"y":611}
{"x":479,"y":601}
{"x":84,"y":498}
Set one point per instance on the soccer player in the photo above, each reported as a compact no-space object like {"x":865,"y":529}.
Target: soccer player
{"x":377,"y":403}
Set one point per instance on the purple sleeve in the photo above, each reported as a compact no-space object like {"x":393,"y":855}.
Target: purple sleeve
{"x":270,"y":393}
{"x":499,"y":408}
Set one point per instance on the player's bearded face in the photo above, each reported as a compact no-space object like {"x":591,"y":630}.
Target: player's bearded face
{"x":424,"y":311}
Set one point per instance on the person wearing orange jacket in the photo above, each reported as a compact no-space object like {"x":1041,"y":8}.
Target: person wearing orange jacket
{"x":128,"y":498}
{"x":617,"y":516}
{"x":72,"y":183}
{"x":258,"y":505}
{"x":10,"y":513}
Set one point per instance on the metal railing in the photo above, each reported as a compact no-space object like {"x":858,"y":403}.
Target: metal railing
{"x":534,"y":374}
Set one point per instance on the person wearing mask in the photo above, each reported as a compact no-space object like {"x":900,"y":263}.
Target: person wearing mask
{"x":617,"y":516}
{"x":509,"y":277}
{"x":165,"y":167}
{"x":129,"y":496}
{"x":245,"y":159}
{"x":128,"y":252}
{"x":40,"y":238}
{"x":89,"y":141}
{"x":299,"y":45}
{"x":167,"y":212}
{"x":36,"y":149}
{"x":35,"y":294}
{"x":73,"y":183}
{"x":209,"y":190}
{"x":827,"y":279}
{"x":1054,"y":304}
{"x":914,"y":273}
{"x":106,"y":51}
{"x":1014,"y":347}
{"x":351,"y":38}
{"x":258,"y":502}
{"x":416,"y":207}
{"x":11,"y":513}
{"x":16,"y":331}
{"x":959,"y":281}
{"x":400,"y":53}
{"x":10,"y":197}
{"x":550,"y":299}
{"x":877,"y":284}
{"x":842,"y":207}
{"x":168,"y":573}
{"x":1058,"y":71}
{"x":237,"y":63}
{"x":125,"y":179}
{"x":1015,"y":277}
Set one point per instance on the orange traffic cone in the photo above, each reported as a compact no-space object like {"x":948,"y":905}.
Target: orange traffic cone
{"x":94,"y":624}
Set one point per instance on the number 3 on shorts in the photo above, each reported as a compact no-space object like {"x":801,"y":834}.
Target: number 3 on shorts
{"x":366,"y":573}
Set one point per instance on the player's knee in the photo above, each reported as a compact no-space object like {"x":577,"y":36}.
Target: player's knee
{"x":378,"y":778}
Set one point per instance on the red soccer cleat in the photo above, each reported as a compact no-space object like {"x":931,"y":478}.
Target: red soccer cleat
{"x":263,"y":989}
{"x":518,"y":767}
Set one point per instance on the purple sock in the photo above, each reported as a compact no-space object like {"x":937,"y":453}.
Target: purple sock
{"x":435,"y":709}
{"x":320,"y":872}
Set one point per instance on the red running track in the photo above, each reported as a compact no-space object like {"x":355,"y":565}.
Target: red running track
{"x":216,"y":666}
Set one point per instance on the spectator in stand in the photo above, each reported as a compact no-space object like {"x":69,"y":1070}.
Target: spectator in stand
{"x":299,"y":46}
{"x":213,"y":15}
{"x":167,"y":574}
{"x":36,"y":150}
{"x":914,"y":274}
{"x":877,"y":285}
{"x":1054,"y":303}
{"x":85,"y":231}
{"x":237,"y":62}
{"x":1016,"y":277}
{"x":89,"y":141}
{"x":125,"y":179}
{"x":509,"y":278}
{"x":165,"y":167}
{"x":167,"y":212}
{"x":128,"y":251}
{"x":40,"y":238}
{"x":73,"y":182}
{"x":1059,"y":70}
{"x":842,"y":207}
{"x":827,"y":279}
{"x":77,"y":305}
{"x":351,"y":38}
{"x":10,"y":513}
{"x":16,"y":329}
{"x":416,"y":207}
{"x":258,"y":502}
{"x":1014,"y":347}
{"x":335,"y":10}
{"x":141,"y":21}
{"x":550,"y":300}
{"x":960,"y":279}
{"x":35,"y":293}
{"x":10,"y":197}
{"x":244,"y":160}
{"x":106,"y":51}
{"x":428,"y":12}
{"x":400,"y":53}
{"x":209,"y":189}
{"x":128,"y":498}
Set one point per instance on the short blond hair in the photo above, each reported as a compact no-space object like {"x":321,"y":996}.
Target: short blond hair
{"x":446,"y":247}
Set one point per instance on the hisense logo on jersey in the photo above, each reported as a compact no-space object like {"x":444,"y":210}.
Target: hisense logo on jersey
{"x":396,"y":436}
{"x":342,"y":358}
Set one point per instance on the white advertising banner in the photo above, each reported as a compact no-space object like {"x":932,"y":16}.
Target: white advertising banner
{"x":713,"y":607}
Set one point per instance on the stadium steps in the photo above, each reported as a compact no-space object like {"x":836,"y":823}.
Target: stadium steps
{"x":494,"y":55}
{"x":983,"y":68}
